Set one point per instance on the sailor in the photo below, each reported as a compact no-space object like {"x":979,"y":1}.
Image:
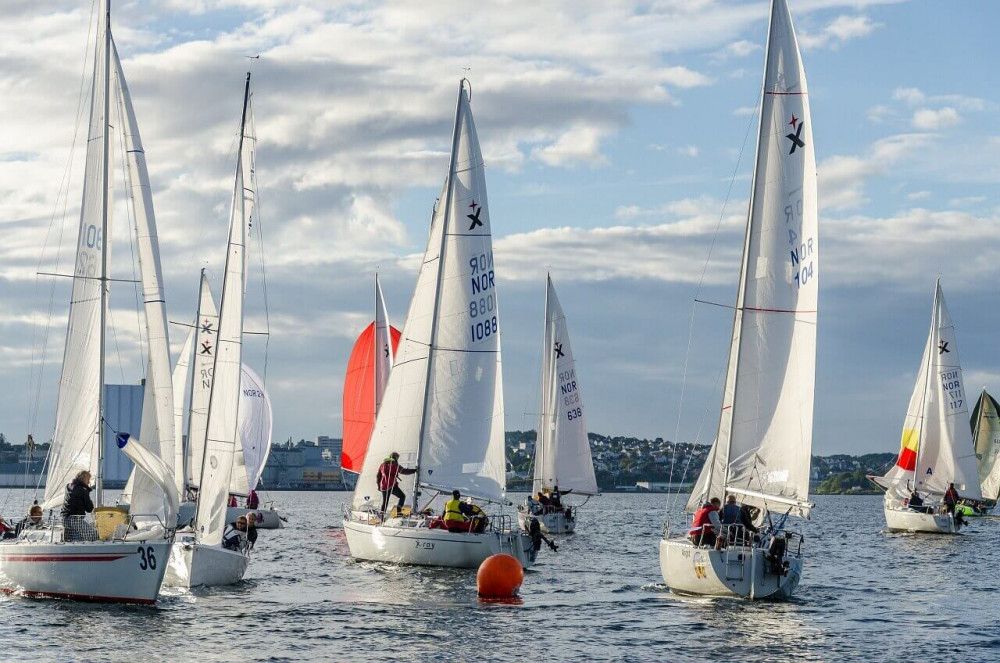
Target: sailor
{"x":916,"y":502}
{"x":388,"y":480}
{"x":252,"y":500}
{"x":76,"y":505}
{"x":235,"y":535}
{"x":534,"y":506}
{"x":731,"y":512}
{"x":706,"y":524}
{"x":476,"y":515}
{"x":556,"y":498}
{"x":454,"y":517}
{"x":544,"y":502}
{"x":251,"y":529}
{"x":951,"y":498}
{"x":32,"y":521}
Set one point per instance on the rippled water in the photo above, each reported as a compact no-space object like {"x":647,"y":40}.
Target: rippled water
{"x":864,"y":594}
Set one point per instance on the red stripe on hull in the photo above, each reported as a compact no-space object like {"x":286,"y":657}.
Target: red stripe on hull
{"x":60,"y":558}
{"x":76,"y":597}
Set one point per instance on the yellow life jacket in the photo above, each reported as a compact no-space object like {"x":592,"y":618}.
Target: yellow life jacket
{"x":453,"y":510}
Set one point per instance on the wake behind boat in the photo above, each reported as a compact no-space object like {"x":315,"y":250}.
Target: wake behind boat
{"x":936,"y":457}
{"x":116,"y":558}
{"x":563,"y":462}
{"x":441,"y":418}
{"x":761,"y":453}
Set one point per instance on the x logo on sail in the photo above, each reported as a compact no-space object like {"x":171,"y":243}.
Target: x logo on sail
{"x":943,"y":347}
{"x":206,"y":348}
{"x":206,"y":328}
{"x":476,"y":221}
{"x":559,"y":350}
{"x":796,"y":141}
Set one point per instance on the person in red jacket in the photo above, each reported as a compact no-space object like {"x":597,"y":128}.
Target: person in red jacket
{"x":388,"y":480}
{"x":705,"y":526}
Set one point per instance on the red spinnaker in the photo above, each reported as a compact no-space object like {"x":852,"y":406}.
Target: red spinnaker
{"x":359,"y":398}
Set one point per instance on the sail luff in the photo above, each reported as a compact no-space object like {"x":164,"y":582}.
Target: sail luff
{"x":182,"y":382}
{"x":76,"y":440}
{"x":544,"y":435}
{"x":203,"y":362}
{"x":223,"y":409}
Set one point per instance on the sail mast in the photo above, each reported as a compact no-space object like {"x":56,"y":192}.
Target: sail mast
{"x":437,"y":290}
{"x":105,"y":176}
{"x":192,"y":374}
{"x":238,"y":198}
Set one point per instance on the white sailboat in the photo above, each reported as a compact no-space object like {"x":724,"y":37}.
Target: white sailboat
{"x":70,"y":557}
{"x":193,"y":381}
{"x":367,"y":375}
{"x":562,"y":450}
{"x":761,"y":454}
{"x":936,"y":447}
{"x":442,"y":411}
{"x":986,"y":440}
{"x":199,"y":556}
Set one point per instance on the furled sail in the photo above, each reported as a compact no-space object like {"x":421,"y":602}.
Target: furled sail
{"x":562,"y":450}
{"x":986,"y":433}
{"x":367,"y":375}
{"x":77,"y":437}
{"x":443,"y":406}
{"x":222,"y":435}
{"x":762,"y":451}
{"x":255,"y":433}
{"x":936,"y":448}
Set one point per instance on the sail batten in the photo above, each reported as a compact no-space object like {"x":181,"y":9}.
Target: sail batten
{"x":764,"y":439}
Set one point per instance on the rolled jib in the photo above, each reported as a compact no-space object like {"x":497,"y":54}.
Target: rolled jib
{"x":499,"y":577}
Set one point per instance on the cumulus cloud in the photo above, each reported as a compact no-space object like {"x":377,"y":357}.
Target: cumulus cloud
{"x":839,"y":31}
{"x":928,"y":119}
{"x":842,"y":178}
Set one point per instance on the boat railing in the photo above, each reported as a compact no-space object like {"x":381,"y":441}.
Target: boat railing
{"x":501,"y":523}
{"x":903,"y":504}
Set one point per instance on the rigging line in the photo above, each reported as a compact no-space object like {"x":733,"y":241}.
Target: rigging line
{"x":85,"y":278}
{"x":34,"y":392}
{"x":701,"y":282}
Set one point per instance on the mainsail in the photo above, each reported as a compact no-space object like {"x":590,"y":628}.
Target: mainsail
{"x":368,"y":370}
{"x":443,"y":406}
{"x":986,"y":433}
{"x":224,"y":400}
{"x":562,"y":450}
{"x":936,"y":446}
{"x":762,"y":450}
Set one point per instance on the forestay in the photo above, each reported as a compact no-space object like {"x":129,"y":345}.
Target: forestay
{"x":255,"y":433}
{"x":562,"y":452}
{"x":936,"y":447}
{"x":762,"y":451}
{"x":986,"y":432}
{"x":443,"y":406}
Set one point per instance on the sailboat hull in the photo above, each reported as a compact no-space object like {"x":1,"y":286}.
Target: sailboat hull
{"x":422,"y":546}
{"x":907,"y":520}
{"x":115,"y":572}
{"x":197,"y":565}
{"x":551,"y":523}
{"x":740,"y":571}
{"x":266,"y":518}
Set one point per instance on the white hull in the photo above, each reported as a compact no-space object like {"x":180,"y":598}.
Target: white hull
{"x":551,"y":523}
{"x":266,"y":518}
{"x":401,"y":544}
{"x":197,"y":565}
{"x":738,"y":571}
{"x":907,"y":520}
{"x":112,"y":572}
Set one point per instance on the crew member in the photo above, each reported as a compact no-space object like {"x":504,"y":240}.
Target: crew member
{"x":951,"y":498}
{"x":454,"y":517}
{"x":388,"y":480}
{"x":252,"y":500}
{"x":32,"y":521}
{"x":706,"y":524}
{"x":76,"y":505}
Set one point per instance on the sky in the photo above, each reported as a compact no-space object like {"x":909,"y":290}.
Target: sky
{"x":618,"y":140}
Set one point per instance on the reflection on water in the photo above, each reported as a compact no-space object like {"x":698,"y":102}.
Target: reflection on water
{"x":864,"y":594}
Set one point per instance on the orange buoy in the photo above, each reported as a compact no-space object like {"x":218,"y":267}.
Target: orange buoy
{"x":499,"y":577}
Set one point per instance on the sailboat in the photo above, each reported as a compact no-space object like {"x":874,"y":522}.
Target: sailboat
{"x":199,"y":556}
{"x":192,"y":384}
{"x":761,"y":453}
{"x":936,"y":446}
{"x":562,"y":451}
{"x":986,"y":440}
{"x":122,"y":559}
{"x":442,"y":411}
{"x":367,"y":375}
